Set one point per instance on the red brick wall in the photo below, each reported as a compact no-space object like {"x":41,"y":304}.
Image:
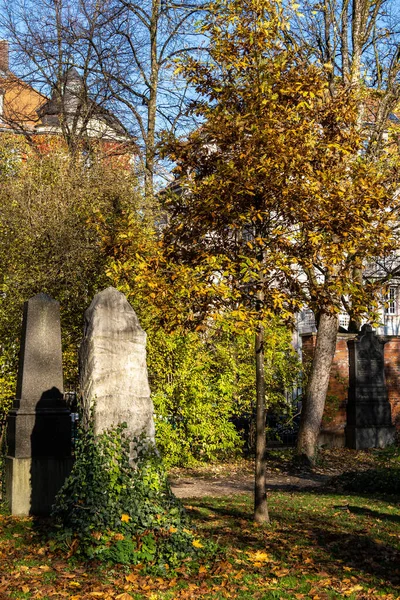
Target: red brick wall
{"x":334,"y":419}
{"x":392,"y":373}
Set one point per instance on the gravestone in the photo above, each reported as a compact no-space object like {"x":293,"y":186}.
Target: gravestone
{"x":113,"y":369}
{"x":39,"y":426}
{"x":369,"y":420}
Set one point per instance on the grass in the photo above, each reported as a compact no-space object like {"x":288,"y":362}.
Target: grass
{"x":319,"y":546}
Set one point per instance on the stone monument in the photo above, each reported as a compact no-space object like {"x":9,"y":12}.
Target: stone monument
{"x":369,"y":420}
{"x":113,"y":370}
{"x":39,"y":425}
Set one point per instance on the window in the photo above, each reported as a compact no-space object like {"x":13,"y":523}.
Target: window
{"x":390,"y":304}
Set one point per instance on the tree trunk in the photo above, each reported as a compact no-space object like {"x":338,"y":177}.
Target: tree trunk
{"x":260,"y":494}
{"x":314,"y":403}
{"x":152,"y":103}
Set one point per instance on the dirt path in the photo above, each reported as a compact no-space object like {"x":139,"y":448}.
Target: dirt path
{"x":238,"y":477}
{"x":197,"y":487}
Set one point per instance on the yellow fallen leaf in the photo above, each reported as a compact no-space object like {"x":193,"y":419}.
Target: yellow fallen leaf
{"x":123,"y":596}
{"x":125,"y":518}
{"x":202,"y":569}
{"x":173,"y":530}
{"x":131,"y":577}
{"x":197,"y":544}
{"x":25,"y":589}
{"x":259,"y":556}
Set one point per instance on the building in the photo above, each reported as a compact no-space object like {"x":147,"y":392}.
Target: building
{"x":19,"y":102}
{"x":68,"y":112}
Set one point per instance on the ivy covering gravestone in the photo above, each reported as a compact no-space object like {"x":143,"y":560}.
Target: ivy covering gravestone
{"x":115,"y":510}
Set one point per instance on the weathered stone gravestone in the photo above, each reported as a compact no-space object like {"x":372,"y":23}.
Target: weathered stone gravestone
{"x":369,"y":421}
{"x":113,"y":370}
{"x":39,"y":425}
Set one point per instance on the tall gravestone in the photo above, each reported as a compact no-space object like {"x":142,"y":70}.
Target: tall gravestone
{"x":369,"y":420}
{"x":113,"y":370}
{"x":39,"y":425}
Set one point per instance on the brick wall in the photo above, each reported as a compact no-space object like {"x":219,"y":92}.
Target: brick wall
{"x":334,"y":419}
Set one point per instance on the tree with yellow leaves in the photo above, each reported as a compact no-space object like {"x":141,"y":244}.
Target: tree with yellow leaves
{"x":277,"y":203}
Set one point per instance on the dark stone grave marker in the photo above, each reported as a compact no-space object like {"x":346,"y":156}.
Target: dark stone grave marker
{"x":39,"y":425}
{"x":369,"y":420}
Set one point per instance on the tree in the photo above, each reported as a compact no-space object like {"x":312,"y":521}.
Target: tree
{"x":64,"y":36}
{"x":357,"y":43}
{"x":263,"y":184}
{"x":149,"y":37}
{"x":58,"y":220}
{"x":124,"y":52}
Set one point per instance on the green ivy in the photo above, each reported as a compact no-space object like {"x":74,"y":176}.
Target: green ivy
{"x":115,"y":510}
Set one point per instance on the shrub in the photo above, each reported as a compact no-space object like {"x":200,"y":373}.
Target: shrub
{"x":203,"y":385}
{"x":114,"y":510}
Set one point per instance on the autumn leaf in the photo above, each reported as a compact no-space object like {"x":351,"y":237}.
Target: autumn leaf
{"x":197,"y":544}
{"x":259,"y":557}
{"x":125,"y":518}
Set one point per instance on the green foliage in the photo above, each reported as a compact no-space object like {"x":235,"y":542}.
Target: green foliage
{"x":57,"y":222}
{"x":7,"y":389}
{"x":113,"y":510}
{"x":196,"y":376}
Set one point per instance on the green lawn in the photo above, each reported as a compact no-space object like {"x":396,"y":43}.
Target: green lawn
{"x":318,"y":546}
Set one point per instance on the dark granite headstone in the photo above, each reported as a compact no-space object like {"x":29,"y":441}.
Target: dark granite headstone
{"x":369,"y":420}
{"x":39,"y":426}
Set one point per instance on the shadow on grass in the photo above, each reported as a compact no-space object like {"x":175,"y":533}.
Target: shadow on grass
{"x":343,"y":546}
{"x":374,"y":514}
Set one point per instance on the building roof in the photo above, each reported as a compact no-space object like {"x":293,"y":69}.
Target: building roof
{"x":70,"y":99}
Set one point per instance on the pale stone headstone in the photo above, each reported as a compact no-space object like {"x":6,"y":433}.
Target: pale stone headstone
{"x":369,"y":420}
{"x":113,"y":369}
{"x":39,"y":425}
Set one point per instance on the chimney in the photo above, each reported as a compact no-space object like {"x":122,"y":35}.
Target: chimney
{"x":4,"y":56}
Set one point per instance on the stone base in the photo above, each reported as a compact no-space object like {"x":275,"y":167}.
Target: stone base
{"x":32,"y":483}
{"x":361,"y":438}
{"x":331,"y":438}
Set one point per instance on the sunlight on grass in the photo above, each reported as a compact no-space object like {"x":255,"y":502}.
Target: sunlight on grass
{"x":323,"y":546}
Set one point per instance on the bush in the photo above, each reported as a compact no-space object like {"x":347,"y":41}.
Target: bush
{"x":113,"y":510}
{"x":203,"y":385}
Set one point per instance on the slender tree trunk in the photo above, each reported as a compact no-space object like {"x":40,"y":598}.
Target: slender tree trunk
{"x":314,"y":403}
{"x":152,"y":103}
{"x":260,"y":494}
